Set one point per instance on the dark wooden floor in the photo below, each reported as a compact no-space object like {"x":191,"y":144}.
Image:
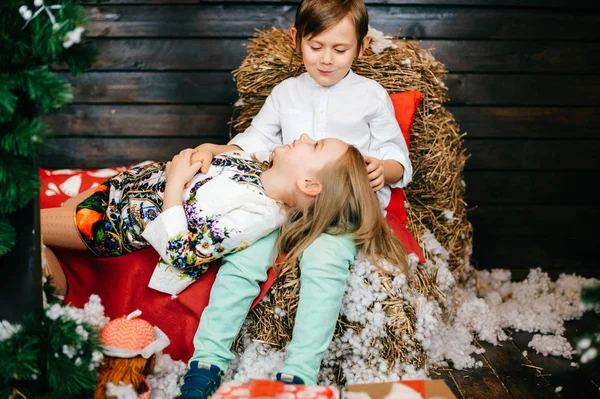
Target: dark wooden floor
{"x":508,"y":374}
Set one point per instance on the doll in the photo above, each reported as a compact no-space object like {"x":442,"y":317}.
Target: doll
{"x":130,"y":345}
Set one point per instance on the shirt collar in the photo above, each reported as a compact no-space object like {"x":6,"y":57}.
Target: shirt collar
{"x":347,"y":80}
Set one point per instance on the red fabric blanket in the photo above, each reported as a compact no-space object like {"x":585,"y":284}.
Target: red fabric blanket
{"x":121,"y":283}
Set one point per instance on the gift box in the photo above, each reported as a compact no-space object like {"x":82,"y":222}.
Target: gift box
{"x":410,"y":389}
{"x":262,"y":389}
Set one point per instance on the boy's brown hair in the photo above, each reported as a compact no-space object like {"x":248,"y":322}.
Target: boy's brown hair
{"x":316,"y":16}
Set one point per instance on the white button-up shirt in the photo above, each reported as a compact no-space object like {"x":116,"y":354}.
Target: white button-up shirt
{"x":356,"y":110}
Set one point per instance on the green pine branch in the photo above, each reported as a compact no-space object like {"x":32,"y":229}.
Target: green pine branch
{"x":79,"y":58}
{"x":8,"y":100}
{"x":7,"y":236}
{"x":591,"y":294}
{"x":19,"y":180}
{"x":26,"y":138}
{"x":46,"y":89}
{"x":50,"y":358}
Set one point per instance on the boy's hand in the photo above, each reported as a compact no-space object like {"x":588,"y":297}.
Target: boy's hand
{"x":376,"y":173}
{"x":180,"y":170}
{"x":203,"y":156}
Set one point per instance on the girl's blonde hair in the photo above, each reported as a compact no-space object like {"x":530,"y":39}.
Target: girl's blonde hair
{"x":345,"y":205}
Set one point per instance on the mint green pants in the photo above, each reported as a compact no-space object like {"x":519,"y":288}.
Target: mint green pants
{"x":323,"y":271}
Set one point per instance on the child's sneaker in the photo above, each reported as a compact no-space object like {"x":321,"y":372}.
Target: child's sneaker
{"x":201,"y":381}
{"x":289,"y":379}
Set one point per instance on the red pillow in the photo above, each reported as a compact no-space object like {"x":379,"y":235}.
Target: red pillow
{"x":405,"y":105}
{"x":59,"y":185}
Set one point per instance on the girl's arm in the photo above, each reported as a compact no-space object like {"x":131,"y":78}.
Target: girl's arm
{"x":180,"y":170}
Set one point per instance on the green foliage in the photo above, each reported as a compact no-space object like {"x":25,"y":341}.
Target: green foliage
{"x":29,"y":88}
{"x":591,"y":294}
{"x":45,"y":89}
{"x":7,"y":237}
{"x":24,"y":139}
{"x":19,"y":180}
{"x":8,"y":100}
{"x":50,"y":357}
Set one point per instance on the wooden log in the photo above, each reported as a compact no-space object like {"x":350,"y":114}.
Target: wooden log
{"x":525,"y":89}
{"x":482,"y":382}
{"x":532,"y":155}
{"x":544,"y":222}
{"x":118,"y":120}
{"x":527,"y":122}
{"x":585,"y":4}
{"x":183,"y":120}
{"x":521,"y":381}
{"x":425,"y":22}
{"x":158,"y":54}
{"x":109,"y":152}
{"x":558,"y":371}
{"x":219,"y":88}
{"x":446,"y":375}
{"x":576,"y":255}
{"x":151,"y":87}
{"x":544,"y":159}
{"x":526,"y":187}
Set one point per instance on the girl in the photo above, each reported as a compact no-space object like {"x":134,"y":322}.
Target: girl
{"x":345,"y":216}
{"x":237,"y":202}
{"x":329,"y":100}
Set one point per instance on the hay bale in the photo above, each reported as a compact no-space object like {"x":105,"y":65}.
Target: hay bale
{"x":436,"y":208}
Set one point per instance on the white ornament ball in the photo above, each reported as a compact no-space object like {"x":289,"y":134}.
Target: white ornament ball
{"x":38,"y":3}
{"x":22,"y":9}
{"x":27,"y":15}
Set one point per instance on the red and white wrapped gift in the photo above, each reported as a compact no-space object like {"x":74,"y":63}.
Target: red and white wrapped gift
{"x":256,"y":389}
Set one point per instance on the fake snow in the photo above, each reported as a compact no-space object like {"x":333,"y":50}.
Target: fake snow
{"x":167,"y":377}
{"x":379,"y":41}
{"x":480,"y":309}
{"x":120,"y":391}
{"x":555,"y":345}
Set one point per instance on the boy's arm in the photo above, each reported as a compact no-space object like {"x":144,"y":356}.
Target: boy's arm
{"x":264,"y":133}
{"x":393,"y":171}
{"x":388,"y":144}
{"x":204,"y":153}
{"x":383,"y":172}
{"x":216,"y":149}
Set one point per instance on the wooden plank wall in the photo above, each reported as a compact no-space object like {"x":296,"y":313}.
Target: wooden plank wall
{"x":524,"y":84}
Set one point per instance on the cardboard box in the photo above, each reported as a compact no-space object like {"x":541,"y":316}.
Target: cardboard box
{"x":410,"y":389}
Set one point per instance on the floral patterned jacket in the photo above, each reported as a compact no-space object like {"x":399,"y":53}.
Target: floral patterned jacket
{"x":223,"y":211}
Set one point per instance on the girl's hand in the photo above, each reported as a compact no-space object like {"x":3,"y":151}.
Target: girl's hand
{"x":376,"y":173}
{"x":180,"y":170}
{"x":204,"y":157}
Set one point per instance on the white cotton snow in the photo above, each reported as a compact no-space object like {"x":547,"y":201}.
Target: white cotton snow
{"x":555,"y":345}
{"x":379,"y":41}
{"x":120,"y":391}
{"x":7,"y":329}
{"x":446,"y":327}
{"x":167,"y":377}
